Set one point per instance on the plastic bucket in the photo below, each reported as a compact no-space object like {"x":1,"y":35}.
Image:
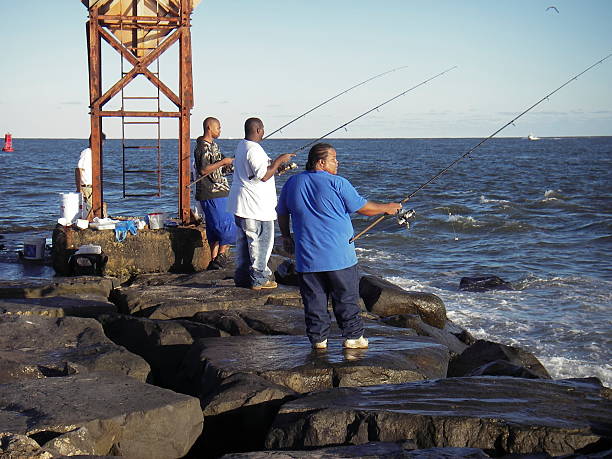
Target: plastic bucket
{"x":34,"y":248}
{"x":70,"y":206}
{"x":156,"y":220}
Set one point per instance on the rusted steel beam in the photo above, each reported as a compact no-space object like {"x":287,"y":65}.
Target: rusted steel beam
{"x":94,"y":44}
{"x":140,"y":68}
{"x":117,"y":17}
{"x":138,"y":114}
{"x":186,"y":94}
{"x":115,"y":26}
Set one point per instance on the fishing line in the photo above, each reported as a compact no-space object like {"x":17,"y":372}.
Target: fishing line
{"x":313,"y":109}
{"x":332,"y":98}
{"x":372,"y":109}
{"x":382,"y":217}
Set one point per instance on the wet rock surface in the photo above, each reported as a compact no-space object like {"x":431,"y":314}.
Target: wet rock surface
{"x":386,"y":299}
{"x":291,"y":362}
{"x":180,"y":301}
{"x":40,"y":347}
{"x":497,"y":414}
{"x":495,"y":359}
{"x":59,"y":286}
{"x":369,"y":450}
{"x":85,"y":305}
{"x":99,"y":414}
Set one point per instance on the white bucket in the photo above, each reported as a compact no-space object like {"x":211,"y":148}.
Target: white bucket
{"x":156,"y":220}
{"x":34,"y":248}
{"x":69,"y":208}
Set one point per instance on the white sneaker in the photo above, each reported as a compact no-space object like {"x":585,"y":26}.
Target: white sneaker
{"x":358,"y":343}
{"x":321,"y":345}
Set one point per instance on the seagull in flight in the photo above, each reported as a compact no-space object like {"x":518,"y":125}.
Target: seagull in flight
{"x":552,"y":8}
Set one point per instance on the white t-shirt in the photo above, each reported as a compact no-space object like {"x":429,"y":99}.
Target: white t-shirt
{"x":249,"y":197}
{"x":85,"y":164}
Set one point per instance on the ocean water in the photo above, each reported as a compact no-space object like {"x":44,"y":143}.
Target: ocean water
{"x":535,"y":213}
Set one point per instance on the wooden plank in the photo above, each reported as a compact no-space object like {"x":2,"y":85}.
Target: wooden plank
{"x":95,"y":88}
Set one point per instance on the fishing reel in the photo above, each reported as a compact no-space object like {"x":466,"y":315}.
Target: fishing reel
{"x":285,"y":167}
{"x":404,"y":216}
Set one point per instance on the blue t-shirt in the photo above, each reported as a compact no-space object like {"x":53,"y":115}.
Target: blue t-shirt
{"x":320,"y":205}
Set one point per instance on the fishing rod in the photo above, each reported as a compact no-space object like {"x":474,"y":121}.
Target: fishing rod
{"x":332,"y":98}
{"x":314,"y":108}
{"x":382,"y":217}
{"x":374,"y":108}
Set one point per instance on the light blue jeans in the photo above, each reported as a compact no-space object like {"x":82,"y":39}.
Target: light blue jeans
{"x":253,"y":249}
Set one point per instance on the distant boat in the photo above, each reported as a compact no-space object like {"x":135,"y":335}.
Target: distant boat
{"x":532,"y":137}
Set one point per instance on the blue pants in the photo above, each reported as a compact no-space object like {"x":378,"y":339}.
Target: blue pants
{"x":220,"y":226}
{"x":253,"y":250}
{"x":343,"y":288}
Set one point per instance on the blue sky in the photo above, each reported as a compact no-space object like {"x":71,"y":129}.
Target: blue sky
{"x":275,"y":59}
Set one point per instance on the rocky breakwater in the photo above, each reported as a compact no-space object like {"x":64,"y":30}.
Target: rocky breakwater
{"x":240,"y":361}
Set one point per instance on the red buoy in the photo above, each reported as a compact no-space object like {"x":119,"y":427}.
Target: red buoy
{"x":8,"y":142}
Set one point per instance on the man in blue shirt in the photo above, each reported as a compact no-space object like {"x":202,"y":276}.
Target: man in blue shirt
{"x":318,"y":203}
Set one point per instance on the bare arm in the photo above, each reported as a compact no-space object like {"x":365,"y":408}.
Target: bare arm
{"x":375,"y":208}
{"x":272,"y":168}
{"x":285,"y":229}
{"x":77,"y":179}
{"x":210,"y":168}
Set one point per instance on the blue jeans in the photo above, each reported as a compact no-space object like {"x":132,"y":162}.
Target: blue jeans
{"x":343,"y":288}
{"x":253,"y":249}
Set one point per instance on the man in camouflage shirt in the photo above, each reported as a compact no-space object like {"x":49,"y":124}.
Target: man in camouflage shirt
{"x":212,"y":192}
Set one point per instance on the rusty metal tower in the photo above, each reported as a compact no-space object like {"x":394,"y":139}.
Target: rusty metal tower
{"x":140,"y":31}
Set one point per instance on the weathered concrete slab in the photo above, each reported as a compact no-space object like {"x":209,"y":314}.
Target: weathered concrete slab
{"x":386,"y":299}
{"x":179,"y":249}
{"x":41,"y":347}
{"x":380,"y":450}
{"x":162,"y":343}
{"x":100,"y":414}
{"x":58,"y":286}
{"x":179,"y":301}
{"x":476,"y":360}
{"x":271,"y":319}
{"x":289,"y":361}
{"x":498,"y":414}
{"x":86,"y":305}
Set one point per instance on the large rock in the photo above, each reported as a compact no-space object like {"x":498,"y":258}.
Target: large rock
{"x":162,"y":343}
{"x":180,"y":301}
{"x":446,"y":336}
{"x":98,"y":414}
{"x":483,"y":284}
{"x":246,"y":402}
{"x":501,"y":415}
{"x":58,"y":286}
{"x":386,"y":299}
{"x":40,"y":347}
{"x":289,"y":361}
{"x":379,"y":450}
{"x":280,"y":320}
{"x":476,"y":360}
{"x":86,"y":305}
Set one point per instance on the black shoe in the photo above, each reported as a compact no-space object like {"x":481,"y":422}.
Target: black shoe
{"x":219,"y":262}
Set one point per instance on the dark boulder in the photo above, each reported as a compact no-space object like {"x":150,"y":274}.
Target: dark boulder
{"x":499,"y":415}
{"x":386,"y":299}
{"x":381,"y":450}
{"x":58,"y":286}
{"x":445,"y":336}
{"x":42,"y":347}
{"x":483,"y":353}
{"x":99,"y":414}
{"x":162,"y":343}
{"x":84,"y":305}
{"x":483,"y":284}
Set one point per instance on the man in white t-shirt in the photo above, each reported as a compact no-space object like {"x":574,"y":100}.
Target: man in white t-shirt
{"x":83,"y":175}
{"x":252,"y":200}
